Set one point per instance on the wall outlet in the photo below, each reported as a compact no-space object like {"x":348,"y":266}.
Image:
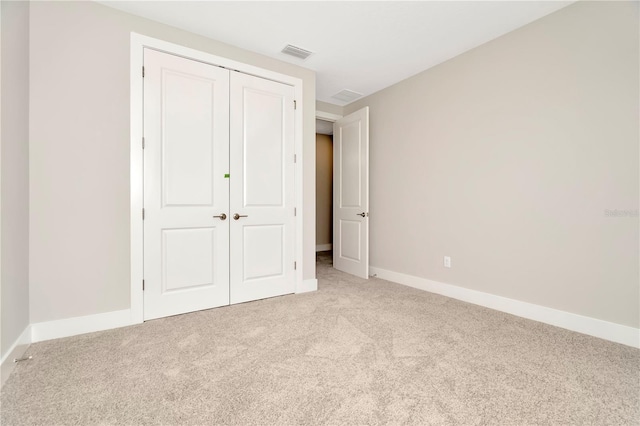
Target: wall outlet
{"x":447,"y":262}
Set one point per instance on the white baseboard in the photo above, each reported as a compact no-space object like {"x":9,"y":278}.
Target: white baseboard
{"x":324,"y":247}
{"x":307,"y":286}
{"x":594,"y":327}
{"x":79,"y":325}
{"x":18,"y":349}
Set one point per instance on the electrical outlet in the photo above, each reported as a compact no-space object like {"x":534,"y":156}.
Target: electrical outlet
{"x":447,"y":262}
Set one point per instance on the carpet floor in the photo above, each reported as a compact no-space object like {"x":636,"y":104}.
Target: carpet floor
{"x":354,"y":352}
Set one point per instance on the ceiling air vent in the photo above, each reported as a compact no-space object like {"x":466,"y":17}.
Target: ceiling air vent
{"x":298,"y":52}
{"x":347,"y":95}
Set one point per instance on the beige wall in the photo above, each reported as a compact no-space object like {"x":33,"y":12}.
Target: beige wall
{"x":324,"y":189}
{"x":330,"y":108}
{"x":506,"y":158}
{"x":14,"y":119}
{"x":79,"y":176}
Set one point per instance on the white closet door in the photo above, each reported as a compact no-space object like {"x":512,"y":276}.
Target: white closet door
{"x":262,"y":192}
{"x":186,"y":157}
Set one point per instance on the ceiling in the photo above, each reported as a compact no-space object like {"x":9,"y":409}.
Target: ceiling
{"x":360,"y":46}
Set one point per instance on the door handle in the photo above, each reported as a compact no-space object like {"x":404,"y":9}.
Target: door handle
{"x":363,"y":214}
{"x":238,"y":216}
{"x":221,"y":216}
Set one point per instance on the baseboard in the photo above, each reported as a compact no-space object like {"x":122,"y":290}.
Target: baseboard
{"x":324,"y":247}
{"x":307,"y":286}
{"x":18,"y":349}
{"x":79,"y":325}
{"x":586,"y":325}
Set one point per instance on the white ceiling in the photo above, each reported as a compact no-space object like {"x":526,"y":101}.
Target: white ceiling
{"x":358,"y":45}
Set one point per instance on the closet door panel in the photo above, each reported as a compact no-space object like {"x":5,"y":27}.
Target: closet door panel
{"x":186,"y":157}
{"x":187,"y":120}
{"x":262,"y":173}
{"x":263,"y":252}
{"x":263,"y":149}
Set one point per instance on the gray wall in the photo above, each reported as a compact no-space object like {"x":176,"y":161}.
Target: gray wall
{"x":506,"y":157}
{"x":79,"y":175}
{"x":14,"y":167}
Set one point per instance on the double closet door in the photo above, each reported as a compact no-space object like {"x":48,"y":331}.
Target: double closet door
{"x":218,"y":186}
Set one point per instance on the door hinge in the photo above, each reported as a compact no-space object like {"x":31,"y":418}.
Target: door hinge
{"x":142,"y":72}
{"x":143,"y":143}
{"x":295,"y":158}
{"x":142,"y":214}
{"x":295,"y":104}
{"x":295,"y":265}
{"x":142,"y":285}
{"x":295,"y":211}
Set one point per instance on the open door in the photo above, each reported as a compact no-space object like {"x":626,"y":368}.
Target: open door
{"x":351,"y":193}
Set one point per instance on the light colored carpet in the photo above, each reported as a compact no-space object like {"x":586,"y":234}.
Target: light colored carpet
{"x":354,"y":352}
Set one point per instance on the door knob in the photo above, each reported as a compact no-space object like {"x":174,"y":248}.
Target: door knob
{"x":363,"y":214}
{"x":238,"y":216}
{"x":222,"y":216}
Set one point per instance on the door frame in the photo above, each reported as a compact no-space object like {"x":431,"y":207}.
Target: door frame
{"x":330,"y":118}
{"x":138,"y":43}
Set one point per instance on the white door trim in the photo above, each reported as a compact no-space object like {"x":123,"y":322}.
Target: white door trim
{"x":138,"y":43}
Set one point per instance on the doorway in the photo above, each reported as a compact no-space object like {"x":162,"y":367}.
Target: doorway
{"x":324,"y":186}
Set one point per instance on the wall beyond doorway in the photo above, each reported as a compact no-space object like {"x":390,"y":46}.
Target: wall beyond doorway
{"x":324,"y":192}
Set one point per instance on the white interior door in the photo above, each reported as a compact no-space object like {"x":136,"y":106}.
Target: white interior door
{"x":186,"y":157}
{"x":351,"y":193}
{"x":262,"y":188}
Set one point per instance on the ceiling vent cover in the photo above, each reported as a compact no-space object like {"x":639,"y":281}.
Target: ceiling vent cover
{"x":298,"y":52}
{"x":347,"y":95}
